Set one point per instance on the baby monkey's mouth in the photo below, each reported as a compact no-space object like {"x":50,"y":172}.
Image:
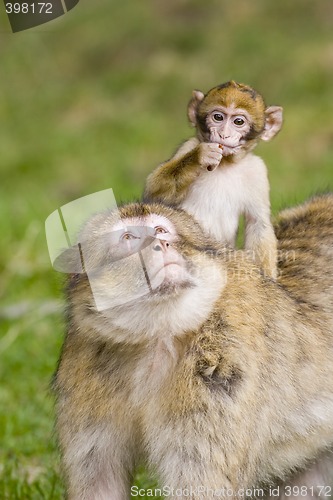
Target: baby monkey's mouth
{"x":228,"y":149}
{"x":228,"y":144}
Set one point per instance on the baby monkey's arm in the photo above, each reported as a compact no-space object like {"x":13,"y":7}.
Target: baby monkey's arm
{"x":170,"y":181}
{"x":260,"y":239}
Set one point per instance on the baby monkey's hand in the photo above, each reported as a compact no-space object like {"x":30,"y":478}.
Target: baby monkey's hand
{"x":209,"y":155}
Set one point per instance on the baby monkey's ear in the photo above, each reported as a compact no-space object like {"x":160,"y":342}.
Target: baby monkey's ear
{"x":197,"y":97}
{"x":273,"y":122}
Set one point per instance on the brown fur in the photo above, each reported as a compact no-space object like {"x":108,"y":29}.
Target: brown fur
{"x":239,"y":95}
{"x":245,"y":398}
{"x":171,"y":182}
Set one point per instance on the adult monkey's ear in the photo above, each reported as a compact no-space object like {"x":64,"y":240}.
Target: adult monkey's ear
{"x":273,"y":122}
{"x":197,"y":97}
{"x":70,"y":261}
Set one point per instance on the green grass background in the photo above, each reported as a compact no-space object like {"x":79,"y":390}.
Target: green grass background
{"x":97,"y":99}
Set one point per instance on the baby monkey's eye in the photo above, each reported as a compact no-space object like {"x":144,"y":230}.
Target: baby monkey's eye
{"x":160,"y":230}
{"x":218,"y":117}
{"x":239,"y":121}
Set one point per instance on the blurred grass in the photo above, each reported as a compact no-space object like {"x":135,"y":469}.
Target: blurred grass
{"x":97,"y":99}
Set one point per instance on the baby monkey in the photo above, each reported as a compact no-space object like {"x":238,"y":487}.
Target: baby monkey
{"x":215,"y":177}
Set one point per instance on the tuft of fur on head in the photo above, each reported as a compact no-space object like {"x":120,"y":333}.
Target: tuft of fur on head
{"x":241,"y":96}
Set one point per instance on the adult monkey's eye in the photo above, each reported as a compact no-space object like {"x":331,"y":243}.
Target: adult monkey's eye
{"x":218,"y":117}
{"x":239,"y":121}
{"x":160,"y":230}
{"x":128,"y":236}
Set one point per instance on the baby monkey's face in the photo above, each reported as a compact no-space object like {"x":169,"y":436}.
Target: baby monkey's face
{"x":134,"y":259}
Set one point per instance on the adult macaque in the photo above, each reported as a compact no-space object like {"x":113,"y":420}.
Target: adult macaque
{"x":215,"y":177}
{"x":213,"y":376}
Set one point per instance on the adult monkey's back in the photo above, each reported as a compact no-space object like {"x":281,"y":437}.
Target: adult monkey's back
{"x":217,"y":377}
{"x":305,"y":235}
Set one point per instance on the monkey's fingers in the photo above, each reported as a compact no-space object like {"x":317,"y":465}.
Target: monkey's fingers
{"x":214,"y":135}
{"x":211,"y":168}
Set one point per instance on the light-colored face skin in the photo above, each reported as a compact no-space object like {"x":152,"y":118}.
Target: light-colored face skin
{"x":139,"y":260}
{"x":228,"y":126}
{"x":154,"y":237}
{"x":233,"y":115}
